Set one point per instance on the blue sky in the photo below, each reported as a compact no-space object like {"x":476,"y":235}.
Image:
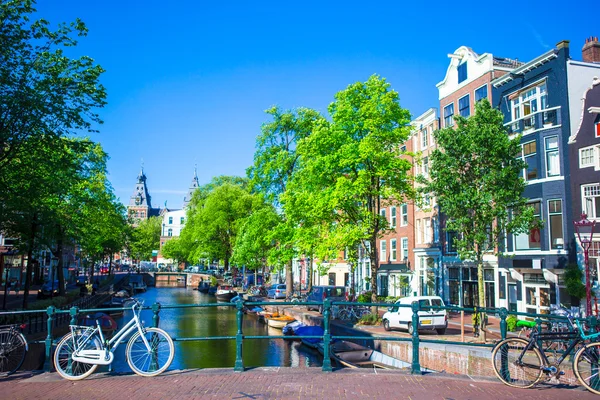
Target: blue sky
{"x":188,"y":81}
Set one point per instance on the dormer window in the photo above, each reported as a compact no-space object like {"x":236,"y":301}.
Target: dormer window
{"x":462,"y":72}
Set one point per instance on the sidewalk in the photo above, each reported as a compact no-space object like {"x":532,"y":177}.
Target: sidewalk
{"x":277,"y":383}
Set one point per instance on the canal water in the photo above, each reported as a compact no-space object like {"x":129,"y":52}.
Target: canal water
{"x":214,"y":321}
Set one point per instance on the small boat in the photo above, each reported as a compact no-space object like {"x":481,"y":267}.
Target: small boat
{"x":107,"y":323}
{"x":290,"y":329}
{"x":225,"y":293}
{"x":212,"y":290}
{"x":203,"y":286}
{"x":313,"y":343}
{"x":280,"y":321}
{"x":353,"y":355}
{"x":254,"y":310}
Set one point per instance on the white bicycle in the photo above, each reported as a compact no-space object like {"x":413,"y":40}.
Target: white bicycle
{"x":149,"y":351}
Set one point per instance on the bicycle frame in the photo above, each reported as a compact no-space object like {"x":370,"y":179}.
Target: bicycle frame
{"x":107,"y":347}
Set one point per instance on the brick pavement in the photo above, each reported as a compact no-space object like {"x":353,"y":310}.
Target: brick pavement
{"x":275,"y":383}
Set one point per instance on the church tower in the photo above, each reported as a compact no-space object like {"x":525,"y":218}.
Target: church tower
{"x":140,"y":205}
{"x":193,"y":186}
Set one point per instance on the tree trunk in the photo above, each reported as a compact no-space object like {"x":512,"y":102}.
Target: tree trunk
{"x":481,"y":295}
{"x":289,"y":279}
{"x":110,"y":259}
{"x":309,"y":274}
{"x":59,"y":267}
{"x":29,"y":264}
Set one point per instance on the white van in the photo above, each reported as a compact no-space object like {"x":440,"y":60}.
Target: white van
{"x":401,"y":317}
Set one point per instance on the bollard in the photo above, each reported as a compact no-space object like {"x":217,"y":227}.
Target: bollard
{"x":503,"y":315}
{"x":326,"y":336}
{"x":415,"y":367}
{"x":74,"y":311}
{"x":48,"y":363}
{"x":155,"y":317}
{"x":239,"y":338}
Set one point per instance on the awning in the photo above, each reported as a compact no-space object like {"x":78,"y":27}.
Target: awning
{"x":387,"y":268}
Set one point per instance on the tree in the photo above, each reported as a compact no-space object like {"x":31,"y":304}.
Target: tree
{"x":476,"y":176}
{"x":144,"y":238}
{"x":275,"y":163}
{"x":42,"y":91}
{"x":350,"y":167}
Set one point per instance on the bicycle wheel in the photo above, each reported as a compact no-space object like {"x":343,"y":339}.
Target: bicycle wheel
{"x":64,"y":364}
{"x":587,"y":368}
{"x":515,"y":367}
{"x":154,"y":360}
{"x":13,"y":348}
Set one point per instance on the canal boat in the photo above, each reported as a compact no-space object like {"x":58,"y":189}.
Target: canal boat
{"x":353,"y":355}
{"x":203,"y":286}
{"x":225,"y":293}
{"x":280,"y":321}
{"x":311,"y":330}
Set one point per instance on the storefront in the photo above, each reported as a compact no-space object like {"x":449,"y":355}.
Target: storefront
{"x":394,"y":280}
{"x":463,"y":286}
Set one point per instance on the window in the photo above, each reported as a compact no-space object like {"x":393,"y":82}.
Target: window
{"x":170,"y":220}
{"x":427,"y":230}
{"x":462,"y":72}
{"x":424,"y":138}
{"x":556,"y":224}
{"x":464,"y":106}
{"x":552,"y":160}
{"x":529,"y":101}
{"x":393,"y":216}
{"x":481,"y":93}
{"x":598,"y":129}
{"x":436,"y":230}
{"x":393,"y":250}
{"x":404,"y":242}
{"x":531,"y":239}
{"x":382,"y":212}
{"x":530,"y":157}
{"x":383,"y":251}
{"x":591,"y":200}
{"x":181,"y":220}
{"x":419,"y":233}
{"x":451,"y":245}
{"x":586,"y":157}
{"x":426,"y":167}
{"x":170,"y":232}
{"x":404,"y":215}
{"x":449,"y":115}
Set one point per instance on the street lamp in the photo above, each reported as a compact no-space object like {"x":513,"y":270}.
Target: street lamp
{"x":585,"y":232}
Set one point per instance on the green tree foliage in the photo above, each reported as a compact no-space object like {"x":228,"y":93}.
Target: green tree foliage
{"x":256,"y":238}
{"x":144,"y":238}
{"x":351,"y":166}
{"x":476,"y":176}
{"x":42,"y":91}
{"x":574,"y":281}
{"x":174,"y":250}
{"x":275,"y":163}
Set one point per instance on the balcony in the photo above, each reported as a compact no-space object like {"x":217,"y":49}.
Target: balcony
{"x":539,"y":120}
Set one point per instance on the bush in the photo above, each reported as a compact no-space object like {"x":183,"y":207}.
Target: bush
{"x":511,"y":323}
{"x":369,"y":319}
{"x":364,"y":297}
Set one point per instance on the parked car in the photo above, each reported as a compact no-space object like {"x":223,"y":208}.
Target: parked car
{"x":48,"y":289}
{"x":104,"y":270}
{"x":82,"y":280}
{"x":320,"y":293}
{"x":429,"y":318}
{"x":276,"y":291}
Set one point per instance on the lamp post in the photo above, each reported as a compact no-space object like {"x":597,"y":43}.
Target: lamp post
{"x":585,"y":227}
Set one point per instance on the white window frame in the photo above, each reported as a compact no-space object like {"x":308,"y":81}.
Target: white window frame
{"x":524,"y":158}
{"x":393,"y":216}
{"x":403,"y":214}
{"x":588,"y":207}
{"x":468,"y":105}
{"x":554,"y":151}
{"x":418,"y":229}
{"x":529,"y":94}
{"x":382,"y":250}
{"x":425,"y":168}
{"x":424,"y":138}
{"x":487,"y":92}
{"x":404,"y":250}
{"x":451,"y":116}
{"x":393,"y":250}
{"x":592,"y":158}
{"x":427,"y":236}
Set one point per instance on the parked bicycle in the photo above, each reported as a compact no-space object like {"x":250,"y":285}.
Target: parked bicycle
{"x":149,"y":351}
{"x":522,"y":363}
{"x":13,"y":348}
{"x":296,"y":298}
{"x":352,"y":313}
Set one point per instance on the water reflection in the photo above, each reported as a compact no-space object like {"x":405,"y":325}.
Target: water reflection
{"x":211,"y":322}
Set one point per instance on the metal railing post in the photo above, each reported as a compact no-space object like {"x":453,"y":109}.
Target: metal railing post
{"x":503,"y":325}
{"x":155,"y":317}
{"x":415,"y":366}
{"x":48,"y":361}
{"x":74,"y":311}
{"x":239,"y":338}
{"x":326,"y":336}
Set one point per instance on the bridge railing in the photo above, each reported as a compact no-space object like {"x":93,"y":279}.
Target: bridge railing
{"x":53,"y":315}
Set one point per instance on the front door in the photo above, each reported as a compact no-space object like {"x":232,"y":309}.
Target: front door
{"x":331,"y":279}
{"x":512,"y":297}
{"x":383,"y":289}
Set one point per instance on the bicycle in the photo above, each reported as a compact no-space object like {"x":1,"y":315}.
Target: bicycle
{"x":149,"y":351}
{"x":520,"y":363}
{"x":296,"y":298}
{"x":352,"y":313}
{"x":13,"y":348}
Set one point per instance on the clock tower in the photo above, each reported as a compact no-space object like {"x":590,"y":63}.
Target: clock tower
{"x":140,"y":205}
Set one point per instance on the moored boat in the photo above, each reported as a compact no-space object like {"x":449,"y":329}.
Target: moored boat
{"x":353,"y":355}
{"x":280,"y":321}
{"x":225,"y":293}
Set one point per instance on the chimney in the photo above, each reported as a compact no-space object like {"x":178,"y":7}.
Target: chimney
{"x":591,"y":50}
